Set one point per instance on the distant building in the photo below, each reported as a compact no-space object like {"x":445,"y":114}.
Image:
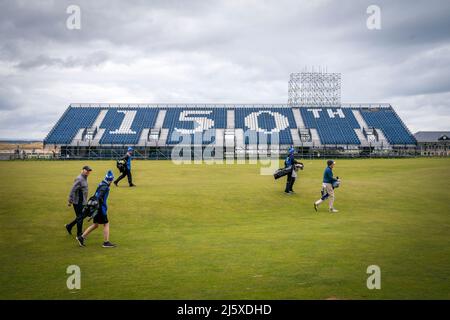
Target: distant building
{"x":433,"y":143}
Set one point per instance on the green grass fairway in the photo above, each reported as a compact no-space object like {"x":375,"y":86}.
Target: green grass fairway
{"x":227,"y":232}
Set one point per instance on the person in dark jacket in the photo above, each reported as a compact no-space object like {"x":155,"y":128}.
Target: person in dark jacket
{"x":101,"y":217}
{"x":327,"y":187}
{"x":78,"y":198}
{"x":127,"y":171}
{"x":292,"y":175}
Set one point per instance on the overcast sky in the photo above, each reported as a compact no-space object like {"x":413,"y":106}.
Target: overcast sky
{"x":218,"y":52}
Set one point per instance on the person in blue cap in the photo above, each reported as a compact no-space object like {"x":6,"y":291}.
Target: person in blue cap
{"x":292,"y":175}
{"x":101,"y":217}
{"x":127,"y":171}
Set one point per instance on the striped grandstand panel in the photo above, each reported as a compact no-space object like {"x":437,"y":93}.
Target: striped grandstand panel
{"x":124,"y":126}
{"x":194,"y":125}
{"x":390,"y":123}
{"x":197,"y":124}
{"x":334,"y":125}
{"x":70,"y":123}
{"x":265,"y":125}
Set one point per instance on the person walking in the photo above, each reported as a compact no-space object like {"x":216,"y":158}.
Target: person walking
{"x":101,"y":217}
{"x":127,"y":169}
{"x":78,"y":198}
{"x":292,"y":175}
{"x":328,"y":187}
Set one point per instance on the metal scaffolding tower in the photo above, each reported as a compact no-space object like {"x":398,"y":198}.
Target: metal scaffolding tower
{"x":315,"y":89}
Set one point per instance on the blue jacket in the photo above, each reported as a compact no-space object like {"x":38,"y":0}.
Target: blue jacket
{"x":127,"y":158}
{"x":328,"y":176}
{"x":102,"y":194}
{"x":289,"y":161}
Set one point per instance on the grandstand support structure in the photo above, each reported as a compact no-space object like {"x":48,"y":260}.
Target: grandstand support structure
{"x":314,"y":89}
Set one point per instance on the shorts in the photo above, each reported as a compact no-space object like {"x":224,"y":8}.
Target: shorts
{"x":100,"y":218}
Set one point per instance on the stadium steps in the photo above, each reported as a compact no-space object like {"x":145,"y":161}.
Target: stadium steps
{"x":382,"y":141}
{"x":98,"y":136}
{"x":160,"y":119}
{"x":78,"y":137}
{"x":362,"y":138}
{"x":229,"y":138}
{"x":360,"y":132}
{"x":239,"y":134}
{"x":295,"y":137}
{"x":359,"y":119}
{"x":101,"y":116}
{"x":163,"y":137}
{"x":298,"y":118}
{"x":143,"y":139}
{"x":230,"y":119}
{"x":153,"y":137}
{"x":315,"y":138}
{"x":219,"y":138}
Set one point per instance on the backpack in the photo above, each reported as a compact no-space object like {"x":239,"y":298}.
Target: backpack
{"x":91,"y":208}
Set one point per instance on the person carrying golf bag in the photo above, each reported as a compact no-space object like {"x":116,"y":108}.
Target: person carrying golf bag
{"x":126,"y":168}
{"x":101,"y":215}
{"x":328,"y":185}
{"x":78,"y":198}
{"x":292,"y":175}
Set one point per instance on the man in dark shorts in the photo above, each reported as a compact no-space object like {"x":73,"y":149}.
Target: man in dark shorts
{"x":101,"y":217}
{"x":78,"y":198}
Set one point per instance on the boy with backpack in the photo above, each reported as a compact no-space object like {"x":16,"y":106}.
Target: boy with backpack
{"x":101,"y":216}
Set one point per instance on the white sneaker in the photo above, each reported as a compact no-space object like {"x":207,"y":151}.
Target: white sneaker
{"x":333,"y":210}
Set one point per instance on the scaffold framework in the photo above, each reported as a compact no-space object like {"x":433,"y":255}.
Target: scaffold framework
{"x":314,"y":89}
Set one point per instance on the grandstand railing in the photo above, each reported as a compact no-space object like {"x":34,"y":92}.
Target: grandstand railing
{"x":220,"y":105}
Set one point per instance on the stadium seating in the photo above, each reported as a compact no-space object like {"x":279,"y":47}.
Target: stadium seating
{"x":248,"y":124}
{"x":334,"y":125}
{"x":389,"y":122}
{"x":193,"y":124}
{"x":125,"y":126}
{"x":70,"y":123}
{"x":264,"y":124}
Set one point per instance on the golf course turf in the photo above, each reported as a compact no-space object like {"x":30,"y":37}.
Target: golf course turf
{"x":227,"y":232}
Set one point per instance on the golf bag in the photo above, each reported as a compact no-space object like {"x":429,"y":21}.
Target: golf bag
{"x":121,"y":165}
{"x":282,"y":172}
{"x":324,"y":192}
{"x":91,"y":209}
{"x":336,"y":184}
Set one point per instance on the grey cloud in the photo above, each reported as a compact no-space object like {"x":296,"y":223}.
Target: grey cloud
{"x":218,"y":51}
{"x":91,"y":60}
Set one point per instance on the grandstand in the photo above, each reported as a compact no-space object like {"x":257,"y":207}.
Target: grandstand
{"x":104,"y":129}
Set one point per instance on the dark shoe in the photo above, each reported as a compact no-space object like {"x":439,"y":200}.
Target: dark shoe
{"x":69,"y":229}
{"x":115,"y":183}
{"x":315,"y":206}
{"x":108,"y":244}
{"x":132,"y":185}
{"x":80,"y":240}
